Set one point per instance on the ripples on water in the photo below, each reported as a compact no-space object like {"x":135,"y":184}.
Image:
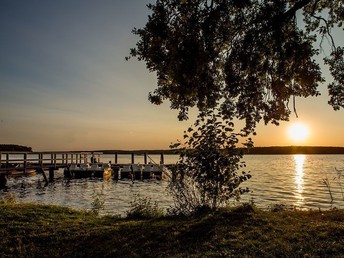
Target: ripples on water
{"x":276,"y":179}
{"x":294,"y":180}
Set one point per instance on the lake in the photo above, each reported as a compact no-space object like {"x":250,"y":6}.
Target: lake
{"x":276,"y":179}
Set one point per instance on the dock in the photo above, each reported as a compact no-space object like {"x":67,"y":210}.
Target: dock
{"x":78,"y":165}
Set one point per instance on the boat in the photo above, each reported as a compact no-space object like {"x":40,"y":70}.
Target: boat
{"x":83,"y":170}
{"x":19,"y":170}
{"x":106,"y":170}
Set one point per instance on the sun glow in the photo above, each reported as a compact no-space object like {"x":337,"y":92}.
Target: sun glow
{"x":298,"y":132}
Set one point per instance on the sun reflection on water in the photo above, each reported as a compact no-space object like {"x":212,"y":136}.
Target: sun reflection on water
{"x":299,"y":161}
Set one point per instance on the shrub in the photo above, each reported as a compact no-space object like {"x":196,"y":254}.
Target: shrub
{"x":97,"y":201}
{"x":143,"y":208}
{"x":206,"y":174}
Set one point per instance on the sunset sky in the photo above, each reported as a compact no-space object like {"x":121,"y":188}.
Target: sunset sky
{"x":65,"y":84}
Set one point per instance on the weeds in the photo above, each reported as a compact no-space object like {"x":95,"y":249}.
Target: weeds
{"x":327,"y":183}
{"x":143,"y":208}
{"x":97,"y":201}
{"x":8,"y":198}
{"x":339,"y":178}
{"x":336,"y":179}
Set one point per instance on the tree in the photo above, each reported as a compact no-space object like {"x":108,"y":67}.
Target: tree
{"x":207,"y":175}
{"x":247,"y":57}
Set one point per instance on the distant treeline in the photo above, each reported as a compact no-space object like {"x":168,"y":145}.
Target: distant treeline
{"x":295,"y":150}
{"x":14,"y":147}
{"x":138,"y":151}
{"x":274,"y":150}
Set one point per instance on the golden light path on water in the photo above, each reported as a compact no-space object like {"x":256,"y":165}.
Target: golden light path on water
{"x":299,"y":161}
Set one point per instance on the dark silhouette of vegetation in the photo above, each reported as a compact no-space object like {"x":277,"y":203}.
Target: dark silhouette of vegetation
{"x":206,"y":175}
{"x":249,"y":57}
{"x":294,"y":150}
{"x":144,"y":208}
{"x":245,"y":59}
{"x":252,"y":150}
{"x":13,"y":147}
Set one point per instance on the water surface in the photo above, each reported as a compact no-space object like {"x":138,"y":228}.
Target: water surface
{"x":276,"y":179}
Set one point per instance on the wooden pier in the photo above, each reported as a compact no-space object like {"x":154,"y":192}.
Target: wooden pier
{"x":26,"y":163}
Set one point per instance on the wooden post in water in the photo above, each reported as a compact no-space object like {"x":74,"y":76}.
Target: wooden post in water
{"x":162,"y":158}
{"x":40,"y":157}
{"x":145,"y":158}
{"x":132,"y":158}
{"x":41,"y":170}
{"x":51,"y":174}
{"x":25,"y":163}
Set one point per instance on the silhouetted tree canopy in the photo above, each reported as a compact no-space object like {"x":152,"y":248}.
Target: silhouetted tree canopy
{"x":249,"y":57}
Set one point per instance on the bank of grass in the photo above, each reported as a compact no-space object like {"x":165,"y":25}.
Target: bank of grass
{"x":28,"y":230}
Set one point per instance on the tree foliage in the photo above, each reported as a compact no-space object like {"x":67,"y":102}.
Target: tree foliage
{"x":248,"y":57}
{"x":207,"y":173}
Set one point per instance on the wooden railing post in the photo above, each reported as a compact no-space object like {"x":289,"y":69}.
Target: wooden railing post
{"x":0,"y":160}
{"x":116,"y":158}
{"x":54,"y":159}
{"x":7,"y":160}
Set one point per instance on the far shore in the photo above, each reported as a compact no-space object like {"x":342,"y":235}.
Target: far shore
{"x":271,"y":150}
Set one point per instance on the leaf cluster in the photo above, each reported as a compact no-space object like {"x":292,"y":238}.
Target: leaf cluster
{"x":246,"y":57}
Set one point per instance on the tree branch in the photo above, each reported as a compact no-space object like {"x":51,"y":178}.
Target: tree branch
{"x":299,"y":5}
{"x":328,"y":30}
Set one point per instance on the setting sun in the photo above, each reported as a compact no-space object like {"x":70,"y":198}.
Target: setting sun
{"x":298,"y":132}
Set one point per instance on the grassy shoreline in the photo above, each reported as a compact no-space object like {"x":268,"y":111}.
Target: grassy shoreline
{"x":30,"y":230}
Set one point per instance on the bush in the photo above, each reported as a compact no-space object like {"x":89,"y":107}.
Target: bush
{"x":98,"y":201}
{"x":206,"y":174}
{"x":143,"y":208}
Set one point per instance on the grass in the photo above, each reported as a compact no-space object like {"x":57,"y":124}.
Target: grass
{"x":29,"y":230}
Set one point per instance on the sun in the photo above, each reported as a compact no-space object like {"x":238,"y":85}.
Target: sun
{"x":298,"y":132}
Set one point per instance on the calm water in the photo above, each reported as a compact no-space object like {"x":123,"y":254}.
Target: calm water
{"x":276,"y":179}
